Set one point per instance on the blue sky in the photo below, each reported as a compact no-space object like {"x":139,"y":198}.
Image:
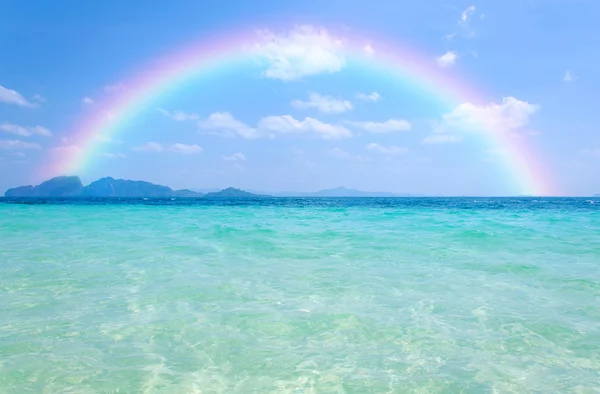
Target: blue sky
{"x":316,"y":123}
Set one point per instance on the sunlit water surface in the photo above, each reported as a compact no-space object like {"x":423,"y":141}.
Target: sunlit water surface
{"x":300,"y":295}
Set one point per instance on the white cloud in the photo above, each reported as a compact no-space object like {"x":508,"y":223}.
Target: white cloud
{"x":373,"y":96}
{"x":447,"y":59}
{"x":510,"y":116}
{"x":10,"y":96}
{"x":39,"y":98}
{"x":511,"y":113}
{"x":390,"y":150}
{"x":286,"y":124}
{"x":19,"y":154}
{"x":235,"y":157}
{"x":465,"y":17}
{"x":25,"y":131}
{"x":467,"y":13}
{"x":303,"y":51}
{"x":324,"y":104}
{"x":389,"y":126}
{"x":17,"y":144}
{"x":185,"y":149}
{"x":569,"y":77}
{"x":224,"y":123}
{"x":149,"y":147}
{"x":368,"y":49}
{"x":177,"y":115}
{"x":441,"y":139}
{"x":109,"y":155}
{"x":174,"y":148}
{"x":88,"y":101}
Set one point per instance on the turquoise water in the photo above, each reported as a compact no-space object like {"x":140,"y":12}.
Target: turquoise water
{"x":300,"y":296}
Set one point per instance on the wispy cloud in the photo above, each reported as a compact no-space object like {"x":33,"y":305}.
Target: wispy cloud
{"x":340,"y":153}
{"x":368,"y":49}
{"x":447,"y":59}
{"x":177,"y":115}
{"x":114,"y":88}
{"x":185,"y":149}
{"x":286,"y":124}
{"x":235,"y":157}
{"x":464,"y":20}
{"x":38,"y":98}
{"x":88,"y":101}
{"x":68,"y":149}
{"x":10,"y":96}
{"x":467,"y":13}
{"x":25,"y":131}
{"x":441,"y":139}
{"x":324,"y":104}
{"x":373,"y":96}
{"x":303,"y":51}
{"x":390,"y":150}
{"x":465,"y":30}
{"x":17,"y":144}
{"x":389,"y":126}
{"x":569,"y":76}
{"x":173,"y":148}
{"x":149,"y":147}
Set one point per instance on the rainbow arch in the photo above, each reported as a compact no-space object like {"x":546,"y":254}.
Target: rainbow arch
{"x":524,"y":168}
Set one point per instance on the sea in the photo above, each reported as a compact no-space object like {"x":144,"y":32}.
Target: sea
{"x":300,"y":295}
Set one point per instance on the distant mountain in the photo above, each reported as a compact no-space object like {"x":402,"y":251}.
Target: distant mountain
{"x":232,"y":192}
{"x":106,"y":187}
{"x":341,"y":192}
{"x":187,"y":193}
{"x":71,"y":186}
{"x":110,"y":187}
{"x":205,"y":191}
{"x":596,"y":195}
{"x":62,"y":186}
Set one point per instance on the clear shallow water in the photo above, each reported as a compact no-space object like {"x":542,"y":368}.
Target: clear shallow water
{"x":300,"y":295}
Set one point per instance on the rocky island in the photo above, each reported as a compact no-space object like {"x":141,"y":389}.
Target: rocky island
{"x":71,"y":186}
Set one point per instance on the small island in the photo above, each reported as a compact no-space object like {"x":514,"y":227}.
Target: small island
{"x":232,"y":192}
{"x":71,"y":186}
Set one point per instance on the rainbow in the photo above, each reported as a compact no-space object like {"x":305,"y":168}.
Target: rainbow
{"x":524,"y":169}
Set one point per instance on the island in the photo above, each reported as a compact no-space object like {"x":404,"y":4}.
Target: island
{"x":71,"y":186}
{"x":62,"y":186}
{"x":232,"y":192}
{"x":108,"y":187}
{"x":342,"y":191}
